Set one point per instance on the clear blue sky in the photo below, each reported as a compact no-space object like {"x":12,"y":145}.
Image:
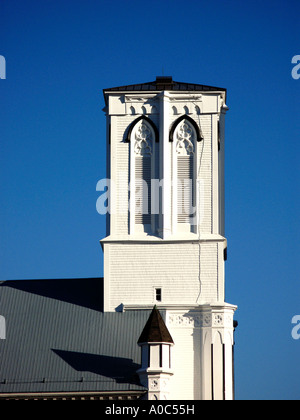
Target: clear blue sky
{"x":61,"y":54}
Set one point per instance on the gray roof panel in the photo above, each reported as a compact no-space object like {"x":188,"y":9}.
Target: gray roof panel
{"x":56,"y":340}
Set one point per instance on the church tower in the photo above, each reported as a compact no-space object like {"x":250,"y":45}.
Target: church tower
{"x":165,"y":242}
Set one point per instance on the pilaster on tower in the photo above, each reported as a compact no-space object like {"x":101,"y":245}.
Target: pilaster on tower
{"x":165,"y":170}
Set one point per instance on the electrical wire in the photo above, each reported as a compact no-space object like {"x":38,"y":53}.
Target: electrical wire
{"x":198,"y":208}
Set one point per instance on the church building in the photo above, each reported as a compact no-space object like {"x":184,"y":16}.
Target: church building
{"x":157,"y":326}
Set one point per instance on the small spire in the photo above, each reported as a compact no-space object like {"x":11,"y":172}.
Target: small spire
{"x":155,"y":330}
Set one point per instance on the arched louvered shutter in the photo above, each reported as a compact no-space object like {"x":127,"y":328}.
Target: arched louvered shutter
{"x":184,"y":140}
{"x":185,"y":188}
{"x":143,"y":190}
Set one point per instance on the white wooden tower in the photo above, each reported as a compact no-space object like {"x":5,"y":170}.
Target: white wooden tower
{"x":165,"y":242}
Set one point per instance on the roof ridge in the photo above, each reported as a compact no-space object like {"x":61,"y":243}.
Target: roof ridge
{"x":163,"y":83}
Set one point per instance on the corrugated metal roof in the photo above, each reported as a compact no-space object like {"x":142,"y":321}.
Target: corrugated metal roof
{"x":57,"y":341}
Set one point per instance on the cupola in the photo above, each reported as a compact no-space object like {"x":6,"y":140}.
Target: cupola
{"x":156,"y":345}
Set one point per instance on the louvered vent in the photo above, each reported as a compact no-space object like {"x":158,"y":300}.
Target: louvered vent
{"x":185,"y":195}
{"x":143,"y":190}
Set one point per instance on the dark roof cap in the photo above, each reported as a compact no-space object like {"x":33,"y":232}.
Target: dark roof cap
{"x":164,"y":83}
{"x":155,"y":330}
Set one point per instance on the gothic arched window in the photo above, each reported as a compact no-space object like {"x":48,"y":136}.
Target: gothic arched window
{"x":185,"y":155}
{"x":143,"y":137}
{"x":185,"y":134}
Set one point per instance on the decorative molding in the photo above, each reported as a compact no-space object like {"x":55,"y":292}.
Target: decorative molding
{"x":154,"y":384}
{"x":185,"y":138}
{"x":185,"y":97}
{"x":158,"y":385}
{"x":204,"y":320}
{"x":188,"y":320}
{"x":138,"y":98}
{"x":218,"y":320}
